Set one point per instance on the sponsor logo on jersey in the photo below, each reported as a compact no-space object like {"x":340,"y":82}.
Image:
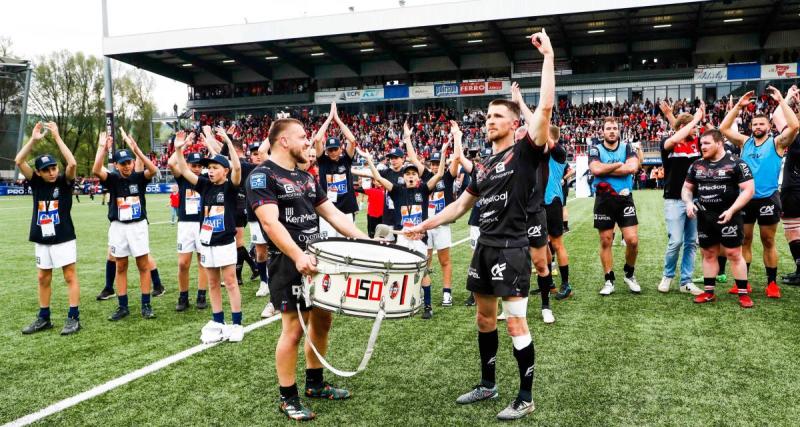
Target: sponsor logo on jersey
{"x":629,"y":211}
{"x":258,"y":180}
{"x":133,"y":189}
{"x":730,"y":231}
{"x":767,"y":210}
{"x":494,"y":198}
{"x":535,"y":231}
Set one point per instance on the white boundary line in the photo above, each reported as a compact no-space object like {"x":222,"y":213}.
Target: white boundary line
{"x":141,"y":372}
{"x":125,"y":379}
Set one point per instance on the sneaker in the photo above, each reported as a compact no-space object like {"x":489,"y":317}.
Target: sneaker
{"x":633,"y":284}
{"x":690,"y":288}
{"x":201,"y":303}
{"x":565,"y":292}
{"x":447,"y":299}
{"x":501,"y":316}
{"x":470,"y":300}
{"x":119,"y":314}
{"x":704,"y":298}
{"x":268,"y":311}
{"x":664,"y":285}
{"x":182,"y":305}
{"x":547,"y":316}
{"x":773,"y":290}
{"x":427,"y":312}
{"x":735,"y":291}
{"x":792,"y":279}
{"x":607,"y":289}
{"x":722,"y":278}
{"x":263,"y":289}
{"x":158,"y":291}
{"x":40,"y":324}
{"x":105,"y":294}
{"x":745,"y":301}
{"x":234,"y":333}
{"x":295,"y":410}
{"x":516,"y":409}
{"x":212,"y":332}
{"x":327,"y":391}
{"x":147,"y":311}
{"x":478,"y":393}
{"x":71,"y":326}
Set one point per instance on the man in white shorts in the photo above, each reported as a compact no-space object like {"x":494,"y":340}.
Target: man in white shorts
{"x":189,"y":218}
{"x":52,"y":231}
{"x":440,"y":238}
{"x":128,"y":234}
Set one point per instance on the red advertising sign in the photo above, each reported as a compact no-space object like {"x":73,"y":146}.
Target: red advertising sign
{"x":473,"y":88}
{"x":495,"y":86}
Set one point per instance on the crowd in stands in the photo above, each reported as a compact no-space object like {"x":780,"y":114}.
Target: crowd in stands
{"x":378,"y":133}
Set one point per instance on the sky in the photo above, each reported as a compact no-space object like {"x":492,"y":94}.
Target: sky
{"x":39,"y":27}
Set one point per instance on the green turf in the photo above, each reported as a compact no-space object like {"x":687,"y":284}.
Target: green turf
{"x":621,"y":360}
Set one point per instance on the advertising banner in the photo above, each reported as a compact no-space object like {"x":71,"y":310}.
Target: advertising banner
{"x":473,"y":88}
{"x":711,"y":74}
{"x":395,"y":91}
{"x":779,"y":71}
{"x":421,"y":91}
{"x":449,"y":89}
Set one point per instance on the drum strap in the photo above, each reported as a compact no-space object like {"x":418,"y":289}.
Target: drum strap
{"x":373,"y":337}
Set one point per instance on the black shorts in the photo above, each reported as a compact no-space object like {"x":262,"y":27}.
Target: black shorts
{"x":285,"y":283}
{"x":240,"y":218}
{"x":766,"y":211}
{"x":709,"y":233}
{"x":537,"y":229}
{"x":565,"y":190}
{"x":790,"y":203}
{"x":502,"y":272}
{"x":555,"y":218}
{"x":610,"y":210}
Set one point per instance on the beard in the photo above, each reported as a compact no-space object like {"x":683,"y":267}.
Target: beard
{"x":498,"y":135}
{"x":299,"y":155}
{"x":759,"y":134}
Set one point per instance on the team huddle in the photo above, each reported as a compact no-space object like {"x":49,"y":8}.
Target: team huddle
{"x":292,"y":190}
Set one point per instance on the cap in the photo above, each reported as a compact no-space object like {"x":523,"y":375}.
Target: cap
{"x":486,"y":152}
{"x":45,"y":160}
{"x":397,"y":152}
{"x":122,"y":156}
{"x":409,"y":166}
{"x":332,"y":142}
{"x":255,"y":146}
{"x":435,"y":157}
{"x":219,"y":159}
{"x":194,"y":158}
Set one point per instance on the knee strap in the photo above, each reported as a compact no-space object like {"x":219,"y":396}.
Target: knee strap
{"x":516,"y":308}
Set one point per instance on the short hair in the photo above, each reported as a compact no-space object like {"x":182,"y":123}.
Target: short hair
{"x":555,"y":132}
{"x":279,"y":127}
{"x":682,"y":120}
{"x":760,"y":116}
{"x":609,"y":119}
{"x":512,"y":106}
{"x":715,"y":134}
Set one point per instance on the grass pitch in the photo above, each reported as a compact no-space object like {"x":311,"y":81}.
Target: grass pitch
{"x":648,"y":359}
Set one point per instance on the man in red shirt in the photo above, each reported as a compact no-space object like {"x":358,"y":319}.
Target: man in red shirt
{"x":174,"y":203}
{"x":375,"y":201}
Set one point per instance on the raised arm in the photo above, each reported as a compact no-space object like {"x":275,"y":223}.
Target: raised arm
{"x":350,"y":149}
{"x":789,"y":132}
{"x":150,"y":169}
{"x":686,"y":130}
{"x":236,"y":166}
{"x":103,"y":145}
{"x":441,"y":171}
{"x":667,"y":110}
{"x":726,"y":127}
{"x":539,"y":121}
{"x":375,"y":174}
{"x":72,"y":165}
{"x":21,"y":159}
{"x":456,"y":133}
{"x":319,"y":137}
{"x":411,"y":153}
{"x":181,"y":168}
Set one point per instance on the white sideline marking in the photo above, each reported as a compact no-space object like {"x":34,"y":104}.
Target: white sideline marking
{"x":149,"y":369}
{"x":125,"y":379}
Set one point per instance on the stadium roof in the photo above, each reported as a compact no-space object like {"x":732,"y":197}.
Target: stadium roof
{"x":446,"y":30}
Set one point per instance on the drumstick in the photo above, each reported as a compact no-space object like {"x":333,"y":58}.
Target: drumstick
{"x":383,"y":230}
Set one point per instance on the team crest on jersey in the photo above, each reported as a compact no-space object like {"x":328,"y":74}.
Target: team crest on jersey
{"x":220,"y":197}
{"x":288,"y":188}
{"x":56,"y":193}
{"x":500,"y":168}
{"x":258,"y":180}
{"x":340,"y":169}
{"x":133,"y":189}
{"x":418,"y":198}
{"x":722,"y":172}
